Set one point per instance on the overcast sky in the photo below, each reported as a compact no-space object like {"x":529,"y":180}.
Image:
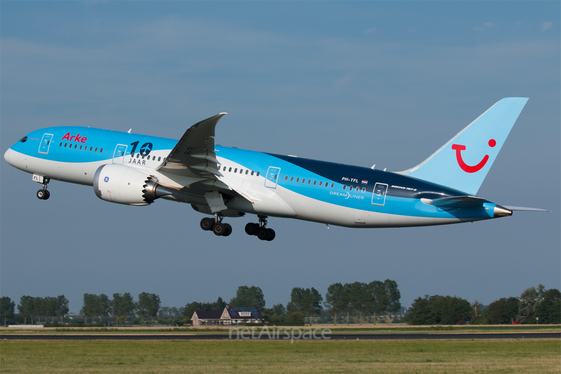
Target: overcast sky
{"x":361,"y":83}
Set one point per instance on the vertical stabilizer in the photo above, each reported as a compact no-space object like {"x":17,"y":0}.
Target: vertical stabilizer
{"x":463,"y":162}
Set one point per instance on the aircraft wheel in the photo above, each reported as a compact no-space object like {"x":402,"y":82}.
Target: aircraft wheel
{"x":266,"y":234}
{"x":227,"y":229}
{"x":207,"y":223}
{"x":43,"y":194}
{"x":270,"y":235}
{"x":219,"y":229}
{"x":252,"y":228}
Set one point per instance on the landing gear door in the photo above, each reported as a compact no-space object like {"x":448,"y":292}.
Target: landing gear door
{"x":119,"y":154}
{"x":379,"y":194}
{"x":272,"y":177}
{"x":45,"y":143}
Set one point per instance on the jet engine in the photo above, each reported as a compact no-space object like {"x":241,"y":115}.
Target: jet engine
{"x":126,"y":185}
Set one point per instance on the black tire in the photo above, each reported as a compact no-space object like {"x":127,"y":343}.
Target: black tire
{"x":219,"y":229}
{"x":47,"y":195}
{"x":207,"y":223}
{"x":252,"y":228}
{"x":262,"y":234}
{"x":270,"y":234}
{"x":227,"y":229}
{"x":41,"y":194}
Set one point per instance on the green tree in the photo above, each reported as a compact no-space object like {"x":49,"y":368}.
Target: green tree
{"x":529,"y":300}
{"x":122,"y":305}
{"x":278,"y":313}
{"x":248,"y":296}
{"x":6,"y":310}
{"x":379,"y":299}
{"x":393,"y":296}
{"x":26,"y":307}
{"x":143,"y":305}
{"x":337,"y":299}
{"x":194,"y":306}
{"x":219,"y":304}
{"x":503,"y":311}
{"x":308,"y":301}
{"x":103,"y":306}
{"x":89,"y":306}
{"x":549,"y":309}
{"x":444,"y":310}
{"x":360,"y":298}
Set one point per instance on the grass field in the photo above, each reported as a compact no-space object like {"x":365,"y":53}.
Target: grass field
{"x":339,"y":329}
{"x":403,"y":356}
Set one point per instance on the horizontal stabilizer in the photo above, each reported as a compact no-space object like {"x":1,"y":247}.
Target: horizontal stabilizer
{"x":524,"y":209}
{"x":455,"y":202}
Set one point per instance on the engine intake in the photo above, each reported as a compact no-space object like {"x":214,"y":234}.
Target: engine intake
{"x":122,"y":184}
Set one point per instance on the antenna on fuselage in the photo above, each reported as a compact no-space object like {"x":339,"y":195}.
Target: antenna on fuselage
{"x":129,"y":131}
{"x":373,"y":167}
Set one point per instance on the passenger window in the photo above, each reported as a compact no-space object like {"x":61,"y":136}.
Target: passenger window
{"x":246,"y":172}
{"x":95,"y":149}
{"x":309,"y":181}
{"x":101,"y":150}
{"x":235,"y":170}
{"x":60,"y":145}
{"x":332,"y":185}
{"x":24,"y":139}
{"x":159,"y":158}
{"x":257,"y":174}
{"x":286,"y":178}
{"x":137,"y":155}
{"x":241,"y":171}
{"x":91,"y":148}
{"x":315,"y":182}
{"x":320,"y":183}
{"x":292,"y":179}
{"x":297,"y":180}
{"x":65,"y":144}
{"x":75,"y":146}
{"x":80,"y":147}
{"x":363,"y":189}
{"x":230,"y":169}
{"x":303,"y":180}
{"x":252,"y":172}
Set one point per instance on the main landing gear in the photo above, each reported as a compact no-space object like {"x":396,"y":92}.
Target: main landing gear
{"x":259,"y":229}
{"x":215,"y":224}
{"x":44,"y":194}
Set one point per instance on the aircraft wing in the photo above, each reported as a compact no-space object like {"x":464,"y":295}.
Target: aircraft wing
{"x":193,"y":155}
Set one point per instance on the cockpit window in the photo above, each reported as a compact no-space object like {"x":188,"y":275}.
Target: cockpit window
{"x":24,"y":139}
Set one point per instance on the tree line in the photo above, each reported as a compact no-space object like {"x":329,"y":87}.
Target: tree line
{"x":121,"y":306}
{"x":34,"y":308}
{"x":357,"y":300}
{"x":535,"y":305}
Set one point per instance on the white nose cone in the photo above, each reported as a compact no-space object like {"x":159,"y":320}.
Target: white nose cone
{"x":8,"y":156}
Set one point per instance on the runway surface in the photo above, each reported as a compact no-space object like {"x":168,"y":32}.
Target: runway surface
{"x":265,"y":336}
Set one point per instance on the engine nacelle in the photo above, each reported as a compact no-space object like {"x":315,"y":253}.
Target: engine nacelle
{"x":126,"y":185}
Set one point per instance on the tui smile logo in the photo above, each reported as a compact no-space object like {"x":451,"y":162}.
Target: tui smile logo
{"x":468,"y":168}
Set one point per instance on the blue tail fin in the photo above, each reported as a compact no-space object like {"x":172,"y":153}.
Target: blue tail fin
{"x":463,"y":162}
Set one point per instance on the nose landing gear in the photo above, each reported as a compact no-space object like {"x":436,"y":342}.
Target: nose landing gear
{"x":259,"y":229}
{"x":44,"y":194}
{"x":215,"y":225}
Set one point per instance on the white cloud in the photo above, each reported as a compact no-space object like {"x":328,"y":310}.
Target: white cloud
{"x":546,"y":26}
{"x":485,"y":26}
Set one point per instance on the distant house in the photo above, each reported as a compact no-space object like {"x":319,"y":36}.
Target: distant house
{"x":206,"y":317}
{"x":230,"y":316}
